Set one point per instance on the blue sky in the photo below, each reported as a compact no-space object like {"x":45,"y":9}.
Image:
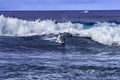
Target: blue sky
{"x":59,"y":4}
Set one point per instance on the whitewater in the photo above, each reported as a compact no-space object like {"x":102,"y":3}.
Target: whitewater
{"x":104,"y":33}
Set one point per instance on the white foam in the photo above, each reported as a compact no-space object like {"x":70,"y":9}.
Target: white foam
{"x":14,"y":26}
{"x":104,"y":33}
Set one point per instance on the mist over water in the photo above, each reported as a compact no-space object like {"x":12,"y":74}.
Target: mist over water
{"x":29,"y":51}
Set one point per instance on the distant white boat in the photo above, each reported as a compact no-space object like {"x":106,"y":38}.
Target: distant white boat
{"x":86,"y":11}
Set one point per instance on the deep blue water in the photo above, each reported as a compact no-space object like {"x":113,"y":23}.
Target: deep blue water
{"x":63,"y":16}
{"x":40,"y":57}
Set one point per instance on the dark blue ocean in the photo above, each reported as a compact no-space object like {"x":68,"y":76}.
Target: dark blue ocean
{"x":29,"y":49}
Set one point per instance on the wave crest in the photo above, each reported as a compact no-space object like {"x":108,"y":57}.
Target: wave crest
{"x":14,"y":26}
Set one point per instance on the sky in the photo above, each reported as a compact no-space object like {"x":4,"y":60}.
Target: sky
{"x":59,"y":5}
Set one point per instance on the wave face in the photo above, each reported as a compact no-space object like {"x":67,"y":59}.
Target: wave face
{"x":104,"y":33}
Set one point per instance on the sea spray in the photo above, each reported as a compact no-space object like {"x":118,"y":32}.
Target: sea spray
{"x":104,"y":33}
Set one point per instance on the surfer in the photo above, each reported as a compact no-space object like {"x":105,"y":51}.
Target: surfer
{"x":61,"y":39}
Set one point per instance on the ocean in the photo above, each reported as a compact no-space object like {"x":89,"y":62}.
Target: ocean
{"x":29,"y":51}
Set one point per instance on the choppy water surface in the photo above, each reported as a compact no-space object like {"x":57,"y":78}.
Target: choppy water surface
{"x":35,"y":58}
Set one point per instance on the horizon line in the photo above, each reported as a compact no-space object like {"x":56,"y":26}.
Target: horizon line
{"x":67,"y":10}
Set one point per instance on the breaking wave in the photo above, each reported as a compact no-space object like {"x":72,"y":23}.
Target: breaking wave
{"x":14,"y":26}
{"x":104,"y":33}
